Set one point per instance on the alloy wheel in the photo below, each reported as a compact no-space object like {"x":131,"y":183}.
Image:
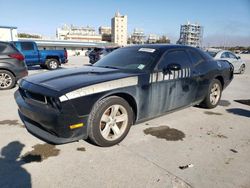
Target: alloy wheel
{"x":215,"y":94}
{"x":113,"y":122}
{"x":5,"y":80}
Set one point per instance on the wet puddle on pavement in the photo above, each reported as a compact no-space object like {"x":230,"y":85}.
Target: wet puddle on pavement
{"x":212,"y":113}
{"x":11,"y":123}
{"x":165,"y":132}
{"x":224,"y":103}
{"x":40,"y":153}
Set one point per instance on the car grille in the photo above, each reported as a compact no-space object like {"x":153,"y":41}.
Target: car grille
{"x":33,"y":96}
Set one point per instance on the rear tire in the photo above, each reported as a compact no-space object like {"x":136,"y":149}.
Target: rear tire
{"x":52,"y":64}
{"x":109,"y":121}
{"x":7,"y":80}
{"x":213,"y":95}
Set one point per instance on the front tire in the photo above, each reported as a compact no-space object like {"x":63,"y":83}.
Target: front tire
{"x":213,"y":95}
{"x":110,"y":121}
{"x":52,"y":64}
{"x":7,"y":80}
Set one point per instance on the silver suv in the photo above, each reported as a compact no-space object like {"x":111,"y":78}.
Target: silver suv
{"x":12,"y":65}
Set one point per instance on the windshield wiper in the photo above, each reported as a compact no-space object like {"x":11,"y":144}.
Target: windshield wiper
{"x":110,"y":67}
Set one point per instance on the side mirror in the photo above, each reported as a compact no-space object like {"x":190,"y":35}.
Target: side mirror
{"x":171,"y":67}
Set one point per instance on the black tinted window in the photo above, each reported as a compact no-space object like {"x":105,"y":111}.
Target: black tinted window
{"x":175,"y":57}
{"x":195,"y":57}
{"x":27,"y":46}
{"x":7,"y":48}
{"x":2,"y":47}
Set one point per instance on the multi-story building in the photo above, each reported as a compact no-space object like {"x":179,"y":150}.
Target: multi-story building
{"x":152,"y":38}
{"x":191,"y":35}
{"x":137,"y":37}
{"x":119,"y":25}
{"x":86,"y":34}
{"x":105,"y":32}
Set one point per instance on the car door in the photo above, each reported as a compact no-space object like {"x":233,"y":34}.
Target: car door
{"x":234,"y":60}
{"x":30,"y":52}
{"x":231,"y":58}
{"x":177,"y":67}
{"x":171,"y":83}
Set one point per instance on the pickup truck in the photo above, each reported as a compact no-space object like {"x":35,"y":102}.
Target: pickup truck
{"x":50,"y":59}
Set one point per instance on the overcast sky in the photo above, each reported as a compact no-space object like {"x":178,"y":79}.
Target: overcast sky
{"x":225,"y":22}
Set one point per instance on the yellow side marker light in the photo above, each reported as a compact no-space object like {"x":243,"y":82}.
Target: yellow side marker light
{"x":78,"y":125}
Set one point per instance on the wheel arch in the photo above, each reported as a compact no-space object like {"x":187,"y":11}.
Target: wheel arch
{"x":53,"y":57}
{"x":221,"y":79}
{"x":9,"y":71}
{"x":130,"y":100}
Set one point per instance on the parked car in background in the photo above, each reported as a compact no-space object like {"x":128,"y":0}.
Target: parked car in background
{"x":239,"y":65}
{"x":50,"y":59}
{"x":131,"y":84}
{"x":98,"y":53}
{"x":12,"y":66}
{"x":88,"y":52}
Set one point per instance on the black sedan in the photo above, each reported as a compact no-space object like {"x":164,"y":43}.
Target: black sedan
{"x":128,"y":86}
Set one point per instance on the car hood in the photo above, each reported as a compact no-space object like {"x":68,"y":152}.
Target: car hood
{"x":66,"y":80}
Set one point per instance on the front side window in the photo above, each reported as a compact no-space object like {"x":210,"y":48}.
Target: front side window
{"x":27,"y":46}
{"x":175,"y":57}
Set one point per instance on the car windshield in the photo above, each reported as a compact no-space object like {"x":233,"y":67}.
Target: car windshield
{"x":131,"y":58}
{"x":213,"y":54}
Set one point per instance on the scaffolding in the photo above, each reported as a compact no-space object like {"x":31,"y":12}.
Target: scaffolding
{"x":191,"y":35}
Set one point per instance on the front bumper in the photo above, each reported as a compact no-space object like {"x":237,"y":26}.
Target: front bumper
{"x":48,"y":124}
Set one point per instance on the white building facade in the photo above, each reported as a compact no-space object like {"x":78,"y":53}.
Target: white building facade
{"x":119,"y":27}
{"x":8,"y":33}
{"x":86,"y":34}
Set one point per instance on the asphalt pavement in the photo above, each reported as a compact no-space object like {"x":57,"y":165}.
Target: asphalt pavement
{"x":193,"y":147}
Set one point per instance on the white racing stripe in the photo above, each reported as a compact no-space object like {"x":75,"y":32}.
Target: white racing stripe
{"x":158,"y":77}
{"x":101,"y":87}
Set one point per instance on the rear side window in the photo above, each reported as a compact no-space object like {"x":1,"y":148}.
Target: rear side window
{"x":195,"y":57}
{"x":232,"y":56}
{"x":224,"y":55}
{"x":7,"y":48}
{"x":177,"y":56}
{"x":2,"y":47}
{"x":27,"y":46}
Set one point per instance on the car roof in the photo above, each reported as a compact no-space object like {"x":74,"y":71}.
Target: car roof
{"x":161,"y":46}
{"x":4,"y":42}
